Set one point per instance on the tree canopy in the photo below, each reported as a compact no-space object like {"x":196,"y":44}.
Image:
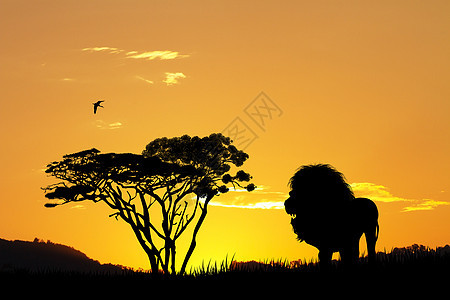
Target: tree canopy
{"x":166,"y":172}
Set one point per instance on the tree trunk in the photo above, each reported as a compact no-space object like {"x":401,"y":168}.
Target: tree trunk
{"x":173,"y":252}
{"x":194,"y":235}
{"x":153,"y":263}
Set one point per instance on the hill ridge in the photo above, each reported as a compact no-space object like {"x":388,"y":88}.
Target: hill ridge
{"x":38,"y":256}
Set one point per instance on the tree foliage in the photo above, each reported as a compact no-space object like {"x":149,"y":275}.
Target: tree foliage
{"x":167,"y":171}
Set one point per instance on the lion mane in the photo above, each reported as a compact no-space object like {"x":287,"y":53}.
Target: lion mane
{"x":319,"y":195}
{"x":321,"y":182}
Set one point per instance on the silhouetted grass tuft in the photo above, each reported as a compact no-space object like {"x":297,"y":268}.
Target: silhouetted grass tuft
{"x":212,"y":269}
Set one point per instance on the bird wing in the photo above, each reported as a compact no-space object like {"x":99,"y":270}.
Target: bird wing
{"x":97,"y":104}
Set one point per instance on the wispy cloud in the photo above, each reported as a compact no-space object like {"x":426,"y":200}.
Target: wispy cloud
{"x":425,"y":204}
{"x":375,"y":192}
{"x":78,"y":206}
{"x":104,"y":49}
{"x":380,"y":193}
{"x":146,"y":55}
{"x":261,"y":198}
{"x":114,"y":125}
{"x":143,"y":79}
{"x":258,"y":205}
{"x":169,"y":79}
{"x":172,"y":78}
{"x":100,"y":124}
{"x":150,"y":55}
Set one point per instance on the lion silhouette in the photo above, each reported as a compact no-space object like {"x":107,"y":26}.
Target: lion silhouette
{"x":326,"y":215}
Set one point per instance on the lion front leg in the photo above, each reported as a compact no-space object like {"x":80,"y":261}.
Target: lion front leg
{"x":325,"y":255}
{"x":350,"y":253}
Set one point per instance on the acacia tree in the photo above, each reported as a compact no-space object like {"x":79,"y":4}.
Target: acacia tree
{"x":158,"y":181}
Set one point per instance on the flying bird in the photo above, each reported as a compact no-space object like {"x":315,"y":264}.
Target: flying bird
{"x":97,"y":105}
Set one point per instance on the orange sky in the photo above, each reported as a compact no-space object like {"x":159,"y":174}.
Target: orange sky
{"x":362,"y":86}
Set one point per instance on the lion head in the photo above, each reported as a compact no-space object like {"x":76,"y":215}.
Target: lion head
{"x":319,"y":194}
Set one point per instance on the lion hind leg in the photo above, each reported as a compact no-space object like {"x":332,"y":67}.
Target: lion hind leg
{"x":371,"y":239}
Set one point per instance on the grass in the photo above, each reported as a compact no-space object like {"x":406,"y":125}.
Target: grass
{"x":400,"y":266}
{"x":401,"y":270}
{"x":414,"y":258}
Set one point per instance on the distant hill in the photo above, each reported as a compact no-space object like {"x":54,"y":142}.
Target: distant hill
{"x":40,"y":256}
